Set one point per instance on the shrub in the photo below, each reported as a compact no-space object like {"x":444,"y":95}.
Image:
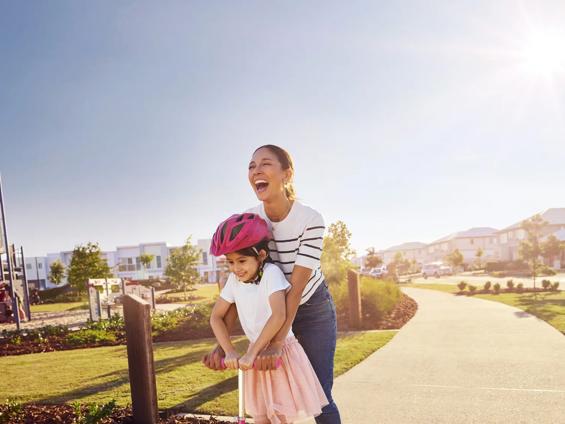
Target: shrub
{"x":462,"y":285}
{"x":89,"y":336}
{"x":496,"y":288}
{"x":487,"y":285}
{"x":546,"y":284}
{"x":11,"y":412}
{"x":491,"y":267}
{"x":94,"y":413}
{"x":545,"y":270}
{"x":510,"y":284}
{"x":555,"y":286}
{"x":520,"y":288}
{"x":472,"y":288}
{"x":378,"y":298}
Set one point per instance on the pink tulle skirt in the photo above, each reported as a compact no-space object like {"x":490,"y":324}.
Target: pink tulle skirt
{"x":285,"y":395}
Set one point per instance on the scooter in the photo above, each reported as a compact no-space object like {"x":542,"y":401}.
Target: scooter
{"x":241,"y":390}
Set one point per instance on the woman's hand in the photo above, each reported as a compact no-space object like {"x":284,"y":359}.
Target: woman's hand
{"x":267,"y":359}
{"x":231,"y":360}
{"x":213,"y":360}
{"x":246,"y":361}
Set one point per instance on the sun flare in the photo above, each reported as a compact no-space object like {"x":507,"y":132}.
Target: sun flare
{"x":544,"y":53}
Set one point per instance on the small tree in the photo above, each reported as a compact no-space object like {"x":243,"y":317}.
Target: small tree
{"x":181,"y":266}
{"x":56,"y":272}
{"x":146,"y":260}
{"x":551,"y":249}
{"x":372,"y":260}
{"x":399,"y":265}
{"x":478,"y":255}
{"x":530,"y":249}
{"x":337,"y":253}
{"x":455,"y":259}
{"x":87,"y":262}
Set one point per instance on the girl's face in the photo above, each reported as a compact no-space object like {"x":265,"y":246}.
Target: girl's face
{"x":266,"y":175}
{"x":244,"y":267}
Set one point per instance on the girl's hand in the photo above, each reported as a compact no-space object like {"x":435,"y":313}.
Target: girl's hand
{"x":268,"y":358}
{"x":231,"y":360}
{"x":246,"y":361}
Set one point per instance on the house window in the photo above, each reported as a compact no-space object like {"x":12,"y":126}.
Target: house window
{"x":472,"y":241}
{"x":137,"y":263}
{"x":28,"y":267}
{"x":205,"y":258}
{"x":40,"y":265}
{"x":158,"y":260}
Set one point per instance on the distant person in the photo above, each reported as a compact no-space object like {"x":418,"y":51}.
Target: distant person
{"x":296,"y":249}
{"x":258,"y":289}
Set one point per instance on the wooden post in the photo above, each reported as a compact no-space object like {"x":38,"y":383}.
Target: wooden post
{"x":355,"y":315}
{"x":137,"y":316}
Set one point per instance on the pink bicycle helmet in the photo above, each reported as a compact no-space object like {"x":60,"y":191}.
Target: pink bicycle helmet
{"x":239,"y":231}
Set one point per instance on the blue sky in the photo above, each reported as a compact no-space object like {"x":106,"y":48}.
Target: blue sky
{"x":128,"y":122}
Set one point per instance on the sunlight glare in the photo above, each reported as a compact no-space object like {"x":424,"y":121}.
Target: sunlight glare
{"x":544,"y":53}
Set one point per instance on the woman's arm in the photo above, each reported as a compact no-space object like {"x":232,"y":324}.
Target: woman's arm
{"x":221,"y":331}
{"x":272,"y":326}
{"x":298,"y":280}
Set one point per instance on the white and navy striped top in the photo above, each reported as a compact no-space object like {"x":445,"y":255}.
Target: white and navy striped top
{"x":297,"y":240}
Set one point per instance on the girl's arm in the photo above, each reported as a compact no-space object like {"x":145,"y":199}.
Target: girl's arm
{"x":274,"y":323}
{"x":221,"y":331}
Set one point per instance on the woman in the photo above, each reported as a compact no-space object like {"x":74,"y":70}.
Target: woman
{"x":296,"y":248}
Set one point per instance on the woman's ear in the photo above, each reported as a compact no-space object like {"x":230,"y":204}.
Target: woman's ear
{"x":262,"y":255}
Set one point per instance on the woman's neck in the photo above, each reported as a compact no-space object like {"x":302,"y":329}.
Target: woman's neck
{"x":278,"y":209}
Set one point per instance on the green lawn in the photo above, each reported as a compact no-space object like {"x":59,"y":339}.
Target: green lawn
{"x":549,"y":306}
{"x":100,"y":374}
{"x":59,"y":307}
{"x":203,"y":294}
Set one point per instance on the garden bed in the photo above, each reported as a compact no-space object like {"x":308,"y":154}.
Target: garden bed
{"x":66,"y":414}
{"x":182,"y":324}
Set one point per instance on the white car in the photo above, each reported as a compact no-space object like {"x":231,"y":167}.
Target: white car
{"x":436,"y":269}
{"x":379,"y":271}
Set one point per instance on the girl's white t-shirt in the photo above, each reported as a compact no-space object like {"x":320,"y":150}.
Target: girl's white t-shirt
{"x":252,"y":300}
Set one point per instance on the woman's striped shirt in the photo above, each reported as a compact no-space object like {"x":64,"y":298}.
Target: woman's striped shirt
{"x":297,"y":240}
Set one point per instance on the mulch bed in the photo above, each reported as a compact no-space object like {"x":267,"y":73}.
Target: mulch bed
{"x":64,"y":414}
{"x":50,"y":344}
{"x":501,"y":291}
{"x":403,"y":312}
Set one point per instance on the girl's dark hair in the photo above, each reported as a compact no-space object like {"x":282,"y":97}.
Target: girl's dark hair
{"x":286,"y":161}
{"x":262,"y":245}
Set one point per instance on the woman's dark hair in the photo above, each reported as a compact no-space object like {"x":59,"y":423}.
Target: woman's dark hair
{"x":286,"y":161}
{"x":262,"y":245}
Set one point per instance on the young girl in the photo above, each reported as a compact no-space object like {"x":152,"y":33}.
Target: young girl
{"x":257,"y":287}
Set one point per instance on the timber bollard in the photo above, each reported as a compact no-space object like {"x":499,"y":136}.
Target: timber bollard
{"x":355,"y":314}
{"x":137,"y":316}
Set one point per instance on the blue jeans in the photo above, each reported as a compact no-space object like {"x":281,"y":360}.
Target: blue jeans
{"x":315,"y":327}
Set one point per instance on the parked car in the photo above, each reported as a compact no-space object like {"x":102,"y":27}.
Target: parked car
{"x":436,"y":269}
{"x":378,"y":272}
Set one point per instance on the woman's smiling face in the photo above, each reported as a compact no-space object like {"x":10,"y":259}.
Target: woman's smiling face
{"x":266,"y":175}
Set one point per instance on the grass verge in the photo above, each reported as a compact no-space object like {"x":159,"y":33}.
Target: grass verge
{"x":59,"y":307}
{"x":548,"y":306}
{"x":100,"y":374}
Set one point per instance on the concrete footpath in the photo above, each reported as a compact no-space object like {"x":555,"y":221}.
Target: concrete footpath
{"x":460,"y":360}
